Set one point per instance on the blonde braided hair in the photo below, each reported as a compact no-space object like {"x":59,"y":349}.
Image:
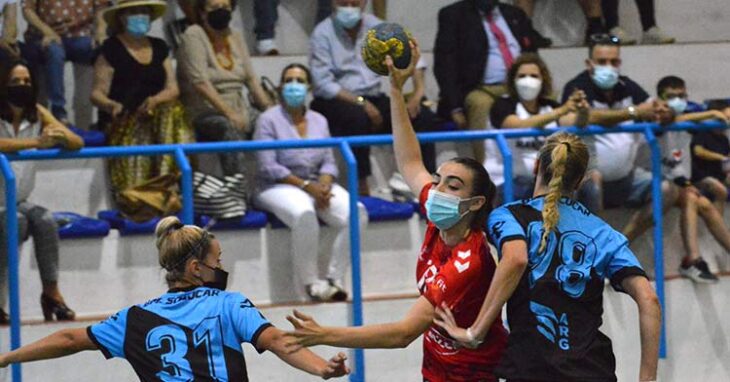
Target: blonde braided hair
{"x":563,"y":163}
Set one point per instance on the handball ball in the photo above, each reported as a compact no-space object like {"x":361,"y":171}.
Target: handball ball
{"x":383,"y":40}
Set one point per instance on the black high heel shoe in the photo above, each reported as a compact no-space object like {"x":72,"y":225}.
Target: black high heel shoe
{"x":52,"y":308}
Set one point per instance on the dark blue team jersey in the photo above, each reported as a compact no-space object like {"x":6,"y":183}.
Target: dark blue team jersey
{"x":555,"y":313}
{"x":184,"y":335}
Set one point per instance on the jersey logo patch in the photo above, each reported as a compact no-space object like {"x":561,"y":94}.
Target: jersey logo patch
{"x":554,"y":329}
{"x":464,"y":254}
{"x":461,"y":267}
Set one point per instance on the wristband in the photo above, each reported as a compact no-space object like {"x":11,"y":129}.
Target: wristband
{"x":305,"y":184}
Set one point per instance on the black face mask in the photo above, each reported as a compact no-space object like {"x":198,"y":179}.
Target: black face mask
{"x":20,"y":95}
{"x":220,"y":278}
{"x":219,"y":19}
{"x":486,"y":6}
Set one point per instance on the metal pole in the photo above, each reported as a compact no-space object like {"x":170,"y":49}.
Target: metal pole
{"x":11,"y":230}
{"x":187,"y":185}
{"x":504,"y":149}
{"x":656,"y":188}
{"x":358,"y":375}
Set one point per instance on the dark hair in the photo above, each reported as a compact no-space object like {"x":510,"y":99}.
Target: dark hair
{"x":718,"y":104}
{"x":296,"y":65}
{"x":30,"y":112}
{"x":482,"y":185}
{"x":200,"y":6}
{"x":601,"y":39}
{"x":530,"y":58}
{"x":669,"y":82}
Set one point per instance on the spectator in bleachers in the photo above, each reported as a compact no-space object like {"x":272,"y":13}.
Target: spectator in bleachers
{"x":9,"y":48}
{"x":60,"y":31}
{"x":690,"y":202}
{"x":136,"y":92}
{"x":710,"y":160}
{"x":188,"y":9}
{"x":591,"y":10}
{"x":476,"y":43}
{"x":349,"y":94}
{"x":616,"y":99}
{"x":267,"y":15}
{"x":298,"y":186}
{"x":24,"y":124}
{"x":214,"y":65}
{"x":651,"y":35}
{"x":528,"y":104}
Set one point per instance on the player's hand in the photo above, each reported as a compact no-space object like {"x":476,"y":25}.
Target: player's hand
{"x":445,"y":319}
{"x":3,"y":362}
{"x":398,"y":77}
{"x":307,"y":332}
{"x":336,"y":367}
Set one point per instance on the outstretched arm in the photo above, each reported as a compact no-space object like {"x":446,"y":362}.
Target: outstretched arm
{"x":382,"y":336}
{"x":303,"y":359}
{"x":702,"y":116}
{"x":506,"y":278}
{"x":405,"y":143}
{"x":59,"y":344}
{"x":650,"y":318}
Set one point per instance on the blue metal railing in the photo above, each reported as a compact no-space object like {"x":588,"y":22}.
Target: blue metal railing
{"x":345,"y":146}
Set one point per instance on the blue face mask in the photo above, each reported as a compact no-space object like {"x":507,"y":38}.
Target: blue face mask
{"x":677,"y":104}
{"x":443,"y":209}
{"x":294,"y":94}
{"x":138,"y":25}
{"x":605,"y":76}
{"x":348,"y":17}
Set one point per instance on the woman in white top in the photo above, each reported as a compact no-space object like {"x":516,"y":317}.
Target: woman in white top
{"x":528,"y":104}
{"x":26,"y":125}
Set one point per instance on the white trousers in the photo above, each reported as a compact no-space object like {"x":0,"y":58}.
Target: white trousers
{"x":295,"y":208}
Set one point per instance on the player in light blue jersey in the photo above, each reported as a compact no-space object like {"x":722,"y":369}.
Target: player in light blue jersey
{"x":555,"y":255}
{"x":192,"y":332}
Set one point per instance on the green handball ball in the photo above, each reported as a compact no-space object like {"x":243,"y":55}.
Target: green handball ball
{"x":383,"y":40}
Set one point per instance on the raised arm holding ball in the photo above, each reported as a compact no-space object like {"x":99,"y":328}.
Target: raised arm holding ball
{"x":454,"y":267}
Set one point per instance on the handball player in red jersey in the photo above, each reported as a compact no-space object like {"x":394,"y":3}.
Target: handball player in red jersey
{"x":454,"y":267}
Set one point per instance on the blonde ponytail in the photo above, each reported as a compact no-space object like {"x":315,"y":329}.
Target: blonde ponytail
{"x":563,"y":163}
{"x":176,"y":243}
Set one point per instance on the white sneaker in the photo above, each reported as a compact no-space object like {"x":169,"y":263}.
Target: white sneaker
{"x":656,"y":36}
{"x":321,"y":291}
{"x":699,"y":272}
{"x":622,"y":36}
{"x":267,"y":47}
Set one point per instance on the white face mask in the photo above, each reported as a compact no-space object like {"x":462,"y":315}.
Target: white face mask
{"x":528,"y":88}
{"x":348,"y":17}
{"x":677,"y":104}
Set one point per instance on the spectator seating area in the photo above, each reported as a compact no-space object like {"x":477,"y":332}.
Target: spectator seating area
{"x":121,"y":257}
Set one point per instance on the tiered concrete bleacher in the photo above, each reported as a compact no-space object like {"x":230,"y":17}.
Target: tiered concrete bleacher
{"x":102,"y":274}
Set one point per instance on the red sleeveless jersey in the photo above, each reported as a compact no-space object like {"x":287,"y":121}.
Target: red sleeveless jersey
{"x":459,"y":276}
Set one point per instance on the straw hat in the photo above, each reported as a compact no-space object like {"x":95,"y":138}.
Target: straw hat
{"x":157,"y":7}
